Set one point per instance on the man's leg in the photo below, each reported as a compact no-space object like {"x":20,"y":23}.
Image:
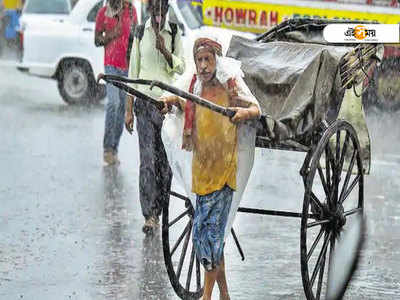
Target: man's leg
{"x":110,"y":118}
{"x":209,"y":280}
{"x":221,"y":280}
{"x":209,"y":223}
{"x":147,"y":171}
{"x":218,"y":274}
{"x":120,"y":116}
{"x":164,"y":174}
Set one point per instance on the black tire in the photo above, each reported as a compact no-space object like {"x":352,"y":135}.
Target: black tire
{"x":176,"y":239}
{"x":76,"y":82}
{"x":329,"y":202}
{"x":384,"y":90}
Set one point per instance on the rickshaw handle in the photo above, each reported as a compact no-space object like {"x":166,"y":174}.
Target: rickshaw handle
{"x":119,"y":81}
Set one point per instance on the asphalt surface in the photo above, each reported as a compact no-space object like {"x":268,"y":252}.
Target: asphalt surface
{"x":71,"y":228}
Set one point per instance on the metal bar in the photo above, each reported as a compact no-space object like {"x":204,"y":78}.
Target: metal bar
{"x":352,"y":211}
{"x":178,"y":218}
{"x":196,"y":99}
{"x":346,"y":180}
{"x":284,"y":145}
{"x":353,"y":184}
{"x":344,"y":150}
{"x":237,"y":243}
{"x":332,"y":159}
{"x":189,"y":278}
{"x":273,"y":212}
{"x":321,"y":175}
{"x":315,"y":243}
{"x":198,"y":275}
{"x":152,"y":83}
{"x":296,"y":145}
{"x":337,"y":147}
{"x":332,"y":248}
{"x":327,"y":170}
{"x":177,"y":195}
{"x":265,"y":142}
{"x":316,"y":223}
{"x":258,"y":211}
{"x":132,"y":91}
{"x":334,"y":183}
{"x":322,"y":253}
{"x":180,"y":238}
{"x":321,"y":277}
{"x":316,"y":201}
{"x":183,"y":254}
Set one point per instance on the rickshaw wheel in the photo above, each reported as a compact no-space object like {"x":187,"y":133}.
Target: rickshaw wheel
{"x":183,"y":267}
{"x":334,"y":193}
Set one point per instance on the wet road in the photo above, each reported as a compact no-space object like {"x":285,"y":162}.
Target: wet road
{"x":71,"y":229}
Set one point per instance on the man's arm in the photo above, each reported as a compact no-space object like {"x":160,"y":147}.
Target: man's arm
{"x":172,"y":100}
{"x":133,"y":73}
{"x":102,"y":36}
{"x":160,"y":46}
{"x":175,"y":61}
{"x":242,"y":100}
{"x":245,"y":113}
{"x":129,"y":119}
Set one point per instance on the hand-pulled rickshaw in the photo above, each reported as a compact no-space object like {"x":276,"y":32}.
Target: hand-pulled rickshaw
{"x":302,"y":84}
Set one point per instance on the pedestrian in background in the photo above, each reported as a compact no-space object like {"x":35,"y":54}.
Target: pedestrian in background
{"x":113,"y":26}
{"x":157,"y":53}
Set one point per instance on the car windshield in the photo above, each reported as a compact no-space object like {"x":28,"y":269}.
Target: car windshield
{"x":192,"y":14}
{"x":47,"y":7}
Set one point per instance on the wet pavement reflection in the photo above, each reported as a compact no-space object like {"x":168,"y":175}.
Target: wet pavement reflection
{"x":153,"y":283}
{"x":132,"y":266}
{"x":116,"y":242}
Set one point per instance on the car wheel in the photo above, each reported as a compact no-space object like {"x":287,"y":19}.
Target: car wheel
{"x":76,"y":83}
{"x":384,"y":92}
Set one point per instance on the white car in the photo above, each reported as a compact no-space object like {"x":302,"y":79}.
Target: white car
{"x":37,"y":11}
{"x":65,"y":51}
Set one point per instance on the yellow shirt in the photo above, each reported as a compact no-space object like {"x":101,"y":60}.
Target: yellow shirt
{"x":12,"y":4}
{"x":214,"y":157}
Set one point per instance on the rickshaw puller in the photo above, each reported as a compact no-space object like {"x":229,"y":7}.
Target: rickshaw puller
{"x":213,"y":139}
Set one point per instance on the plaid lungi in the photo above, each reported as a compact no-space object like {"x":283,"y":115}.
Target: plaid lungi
{"x":210,"y":218}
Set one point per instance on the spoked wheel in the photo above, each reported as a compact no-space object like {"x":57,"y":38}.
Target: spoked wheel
{"x":183,"y":267}
{"x":333,"y":194}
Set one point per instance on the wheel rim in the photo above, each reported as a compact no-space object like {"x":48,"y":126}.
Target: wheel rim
{"x":76,"y":83}
{"x":183,"y":267}
{"x":333,"y":193}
